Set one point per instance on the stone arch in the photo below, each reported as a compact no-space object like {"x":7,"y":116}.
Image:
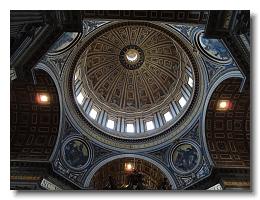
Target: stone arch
{"x":218,"y":81}
{"x":49,"y":70}
{"x":105,"y":161}
{"x":227,"y":134}
{"x":34,"y":127}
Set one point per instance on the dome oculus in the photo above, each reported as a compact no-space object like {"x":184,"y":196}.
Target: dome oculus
{"x":131,"y":57}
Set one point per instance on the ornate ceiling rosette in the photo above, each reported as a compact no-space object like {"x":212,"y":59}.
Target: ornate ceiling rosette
{"x":130,"y":83}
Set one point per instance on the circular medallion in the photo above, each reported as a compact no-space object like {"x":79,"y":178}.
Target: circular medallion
{"x":65,"y":42}
{"x":213,"y":48}
{"x":185,"y":157}
{"x":76,"y":154}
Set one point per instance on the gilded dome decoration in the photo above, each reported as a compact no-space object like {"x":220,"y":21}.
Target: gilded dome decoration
{"x":133,"y":81}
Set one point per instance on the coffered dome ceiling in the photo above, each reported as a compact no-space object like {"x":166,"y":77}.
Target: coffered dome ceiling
{"x":133,"y":80}
{"x":127,"y":86}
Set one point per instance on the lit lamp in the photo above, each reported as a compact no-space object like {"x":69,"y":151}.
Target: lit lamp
{"x":42,"y":98}
{"x":224,"y":105}
{"x":129,"y":167}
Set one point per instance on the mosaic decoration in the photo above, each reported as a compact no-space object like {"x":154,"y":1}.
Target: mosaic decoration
{"x":91,"y":25}
{"x":214,"y":48}
{"x":63,"y":170}
{"x":76,"y":154}
{"x":188,"y":158}
{"x":63,"y":42}
{"x":213,"y":69}
{"x":184,"y":29}
{"x":186,"y":180}
{"x":185,"y":157}
{"x":204,"y":170}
